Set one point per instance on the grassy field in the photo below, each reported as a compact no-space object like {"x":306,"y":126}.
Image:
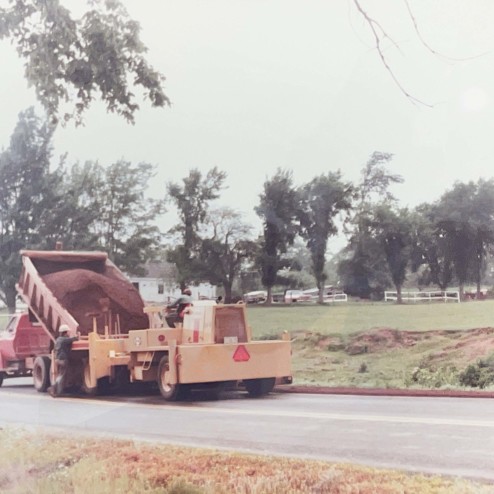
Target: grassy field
{"x":353,"y":317}
{"x":49,"y":464}
{"x":383,"y":345}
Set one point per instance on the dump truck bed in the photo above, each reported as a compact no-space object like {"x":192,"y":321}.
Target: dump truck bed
{"x":80,"y":289}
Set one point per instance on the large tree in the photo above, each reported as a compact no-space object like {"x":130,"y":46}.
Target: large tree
{"x":192,"y":199}
{"x":278,"y":211}
{"x":321,"y":200}
{"x":28,"y":193}
{"x":363,"y":268}
{"x":72,"y":62}
{"x":125,"y":224}
{"x":431,"y":253}
{"x":225,"y":247}
{"x":393,"y":229}
{"x":465,"y":218}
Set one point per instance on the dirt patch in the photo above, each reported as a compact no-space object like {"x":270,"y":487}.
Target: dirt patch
{"x":472,"y":344}
{"x":379,"y":339}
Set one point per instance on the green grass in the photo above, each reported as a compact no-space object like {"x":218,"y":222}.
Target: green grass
{"x":322,"y":335}
{"x":354,"y":317}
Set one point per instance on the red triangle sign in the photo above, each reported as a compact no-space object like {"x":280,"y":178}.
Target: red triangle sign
{"x":241,"y":354}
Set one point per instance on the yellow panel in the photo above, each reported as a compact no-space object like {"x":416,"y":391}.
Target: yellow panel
{"x":208,"y":363}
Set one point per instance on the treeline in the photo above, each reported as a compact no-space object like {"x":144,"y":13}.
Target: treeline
{"x":92,"y":206}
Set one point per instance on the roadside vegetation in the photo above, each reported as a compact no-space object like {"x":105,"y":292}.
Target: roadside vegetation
{"x":45,"y":463}
{"x":425,"y":346}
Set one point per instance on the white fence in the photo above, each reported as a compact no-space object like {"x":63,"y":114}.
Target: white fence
{"x":424,"y":296}
{"x":336,"y":297}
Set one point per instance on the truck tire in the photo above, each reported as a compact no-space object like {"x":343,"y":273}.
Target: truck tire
{"x":1,"y":378}
{"x":259,"y":387}
{"x":86,"y":386}
{"x":170,"y":392}
{"x":41,"y":373}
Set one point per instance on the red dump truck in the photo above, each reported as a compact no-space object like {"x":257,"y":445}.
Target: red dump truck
{"x":23,"y":347}
{"x":123,"y":341}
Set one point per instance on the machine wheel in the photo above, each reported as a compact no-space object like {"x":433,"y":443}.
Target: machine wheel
{"x":259,"y":387}
{"x":170,"y":392}
{"x":1,"y":378}
{"x":41,"y":373}
{"x":86,"y":381}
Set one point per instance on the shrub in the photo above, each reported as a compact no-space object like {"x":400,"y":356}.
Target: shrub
{"x":477,"y":375}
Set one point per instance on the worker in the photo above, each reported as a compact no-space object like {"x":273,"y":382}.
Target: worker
{"x":63,"y":345}
{"x":176,"y":310}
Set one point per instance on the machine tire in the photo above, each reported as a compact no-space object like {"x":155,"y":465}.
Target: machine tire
{"x":1,"y":378}
{"x":170,"y":392}
{"x":41,"y":373}
{"x":91,"y":391}
{"x":259,"y":387}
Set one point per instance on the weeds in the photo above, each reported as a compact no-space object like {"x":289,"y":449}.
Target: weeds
{"x":114,"y":467}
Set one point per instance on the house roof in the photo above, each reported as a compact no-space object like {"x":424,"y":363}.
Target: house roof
{"x":160,"y":269}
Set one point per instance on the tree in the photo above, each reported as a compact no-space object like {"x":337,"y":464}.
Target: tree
{"x":430,"y":248}
{"x":465,"y":218}
{"x":192,"y":199}
{"x":28,"y":193}
{"x":104,"y":208}
{"x":124,"y":225}
{"x":322,"y":200}
{"x":363,"y":270}
{"x":393,"y":231}
{"x":277,"y":209}
{"x":73,"y":61}
{"x":225,"y":248}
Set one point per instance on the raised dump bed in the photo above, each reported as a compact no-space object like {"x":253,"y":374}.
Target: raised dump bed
{"x":81,"y":289}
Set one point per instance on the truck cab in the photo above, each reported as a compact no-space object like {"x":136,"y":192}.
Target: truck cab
{"x":20,"y":343}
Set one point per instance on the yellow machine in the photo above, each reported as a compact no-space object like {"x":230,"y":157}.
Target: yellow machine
{"x":122,"y":341}
{"x":214,"y":346}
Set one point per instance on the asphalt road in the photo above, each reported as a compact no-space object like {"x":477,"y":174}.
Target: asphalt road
{"x":452,"y":436}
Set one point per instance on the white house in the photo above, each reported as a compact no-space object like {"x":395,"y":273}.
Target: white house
{"x":159,"y":285}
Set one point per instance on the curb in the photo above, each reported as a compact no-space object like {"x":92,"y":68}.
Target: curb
{"x":429,"y":393}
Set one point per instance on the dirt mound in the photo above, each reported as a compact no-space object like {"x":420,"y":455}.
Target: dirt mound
{"x":471,"y":344}
{"x":379,"y":339}
{"x":83,"y":292}
{"x":475,"y":343}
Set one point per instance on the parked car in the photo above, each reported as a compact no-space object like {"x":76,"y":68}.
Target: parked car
{"x":257,"y":297}
{"x":296,"y":296}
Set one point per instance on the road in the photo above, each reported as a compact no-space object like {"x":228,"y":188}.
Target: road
{"x":452,"y":436}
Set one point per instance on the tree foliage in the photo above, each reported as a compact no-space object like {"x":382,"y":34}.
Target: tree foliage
{"x":192,"y":200}
{"x":321,"y":200}
{"x":278,"y":211}
{"x":225,"y":247}
{"x":363,"y":270}
{"x":430,"y":251}
{"x":393,"y":229}
{"x":28,"y":193}
{"x":465,"y":219}
{"x":72,"y":62}
{"x":124,"y":225}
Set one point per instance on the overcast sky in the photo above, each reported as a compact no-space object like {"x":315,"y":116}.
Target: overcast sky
{"x":256,"y":85}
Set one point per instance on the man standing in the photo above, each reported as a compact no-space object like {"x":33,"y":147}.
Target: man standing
{"x":63,"y":345}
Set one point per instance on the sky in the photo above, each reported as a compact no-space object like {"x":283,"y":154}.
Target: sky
{"x":257,"y":85}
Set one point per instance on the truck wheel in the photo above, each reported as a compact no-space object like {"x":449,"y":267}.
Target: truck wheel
{"x":170,"y":392}
{"x":86,"y":381}
{"x":1,"y":378}
{"x":41,"y":373}
{"x":259,"y":387}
